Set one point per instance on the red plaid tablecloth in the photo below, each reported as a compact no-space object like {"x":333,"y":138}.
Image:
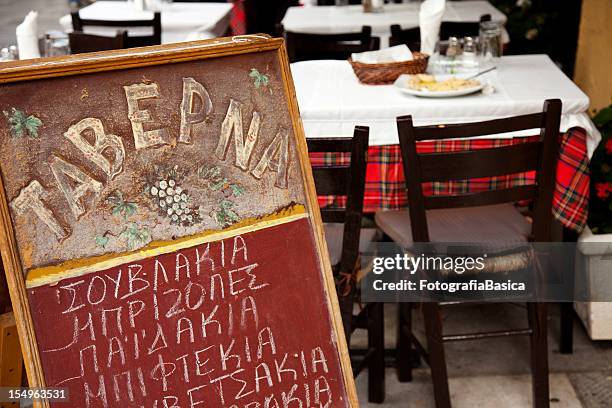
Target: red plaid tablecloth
{"x":238,"y":18}
{"x":385,"y":188}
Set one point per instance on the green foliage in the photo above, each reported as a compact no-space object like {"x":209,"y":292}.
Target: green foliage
{"x":531,"y":24}
{"x":600,"y":204}
{"x":136,"y":237}
{"x":603,"y":120}
{"x":215,"y":180}
{"x":20,"y":124}
{"x":225,"y":215}
{"x":102,"y":241}
{"x":120,"y":206}
{"x":259,"y":78}
{"x":237,"y":190}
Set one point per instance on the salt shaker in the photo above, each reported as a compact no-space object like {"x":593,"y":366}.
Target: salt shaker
{"x":454,"y":49}
{"x":5,"y":54}
{"x":14,"y":51}
{"x":377,"y":5}
{"x":469,"y":51}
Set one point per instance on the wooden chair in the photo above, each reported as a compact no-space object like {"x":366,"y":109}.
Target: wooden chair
{"x":333,"y":2}
{"x":345,"y":236}
{"x":301,"y":47}
{"x":411,"y":37}
{"x":81,"y":42}
{"x":132,"y":40}
{"x":462,"y":29}
{"x":480,"y":217}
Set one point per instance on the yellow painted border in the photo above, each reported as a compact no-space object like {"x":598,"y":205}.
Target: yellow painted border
{"x":74,"y":268}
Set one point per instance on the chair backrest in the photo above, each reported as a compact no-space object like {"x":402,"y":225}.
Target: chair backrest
{"x":344,"y":180}
{"x":539,"y":156}
{"x":411,"y":37}
{"x":333,"y":2}
{"x":462,"y":29}
{"x":81,"y":42}
{"x":78,"y":24}
{"x":302,"y":46}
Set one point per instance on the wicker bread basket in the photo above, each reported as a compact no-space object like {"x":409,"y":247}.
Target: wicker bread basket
{"x":387,"y":73}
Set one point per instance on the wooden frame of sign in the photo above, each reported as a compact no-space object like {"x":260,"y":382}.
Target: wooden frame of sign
{"x":160,"y":230}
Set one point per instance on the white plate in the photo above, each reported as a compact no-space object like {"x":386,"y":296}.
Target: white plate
{"x":402,"y":81}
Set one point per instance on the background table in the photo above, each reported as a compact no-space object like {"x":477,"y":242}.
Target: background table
{"x":332,"y":19}
{"x":332,"y":102}
{"x":180,"y":21}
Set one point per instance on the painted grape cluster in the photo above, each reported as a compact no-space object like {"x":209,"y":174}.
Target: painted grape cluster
{"x":173,"y":202}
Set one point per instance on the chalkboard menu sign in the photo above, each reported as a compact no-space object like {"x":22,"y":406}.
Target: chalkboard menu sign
{"x":160,"y":230}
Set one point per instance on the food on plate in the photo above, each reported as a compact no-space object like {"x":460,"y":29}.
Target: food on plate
{"x":424,"y":82}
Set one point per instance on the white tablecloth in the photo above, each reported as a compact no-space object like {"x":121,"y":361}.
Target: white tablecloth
{"x":332,"y":19}
{"x":180,"y":21}
{"x":332,"y":101}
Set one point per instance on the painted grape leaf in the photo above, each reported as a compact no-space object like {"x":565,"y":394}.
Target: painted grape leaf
{"x":237,"y":190}
{"x":259,"y":78}
{"x":21,"y":124}
{"x":136,"y":237}
{"x":225,"y":215}
{"x":102,"y":241}
{"x":120,"y":206}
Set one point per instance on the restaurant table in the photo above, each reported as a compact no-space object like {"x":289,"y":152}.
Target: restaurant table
{"x":332,"y":102}
{"x":342,"y":19}
{"x":180,"y":21}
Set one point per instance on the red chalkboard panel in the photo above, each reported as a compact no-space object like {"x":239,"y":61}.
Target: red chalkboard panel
{"x":161,"y":234}
{"x":204,"y":324}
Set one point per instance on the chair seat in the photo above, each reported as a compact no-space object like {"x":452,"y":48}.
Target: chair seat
{"x":500,"y":226}
{"x":333,"y":236}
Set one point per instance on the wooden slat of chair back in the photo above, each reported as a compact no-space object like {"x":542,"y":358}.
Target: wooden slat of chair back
{"x":539,"y":156}
{"x":331,"y":180}
{"x":461,"y":29}
{"x":303,"y":46}
{"x":458,"y":29}
{"x":351,"y":184}
{"x":133,"y":41}
{"x":81,"y":42}
{"x":490,"y":127}
{"x":410,"y":36}
{"x":480,"y":163}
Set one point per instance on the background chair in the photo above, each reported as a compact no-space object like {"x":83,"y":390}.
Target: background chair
{"x":301,"y":47}
{"x":345,"y":238}
{"x":78,"y":24}
{"x":463,"y":29}
{"x":412,"y":36}
{"x":81,"y":42}
{"x":476,"y":218}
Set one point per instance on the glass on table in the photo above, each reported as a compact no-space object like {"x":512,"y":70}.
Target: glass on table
{"x":56,"y":44}
{"x":340,"y":3}
{"x":490,"y":38}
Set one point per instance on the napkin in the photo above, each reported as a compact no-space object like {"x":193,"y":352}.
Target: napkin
{"x":391,"y":54}
{"x":27,"y":37}
{"x":430,"y":18}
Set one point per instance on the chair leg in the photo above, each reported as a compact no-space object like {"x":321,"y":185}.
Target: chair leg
{"x":404,"y":345}
{"x":539,"y":354}
{"x":346,"y":303}
{"x":376,"y":362}
{"x":566,"y":345}
{"x":435,"y":349}
{"x":566,"y":342}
